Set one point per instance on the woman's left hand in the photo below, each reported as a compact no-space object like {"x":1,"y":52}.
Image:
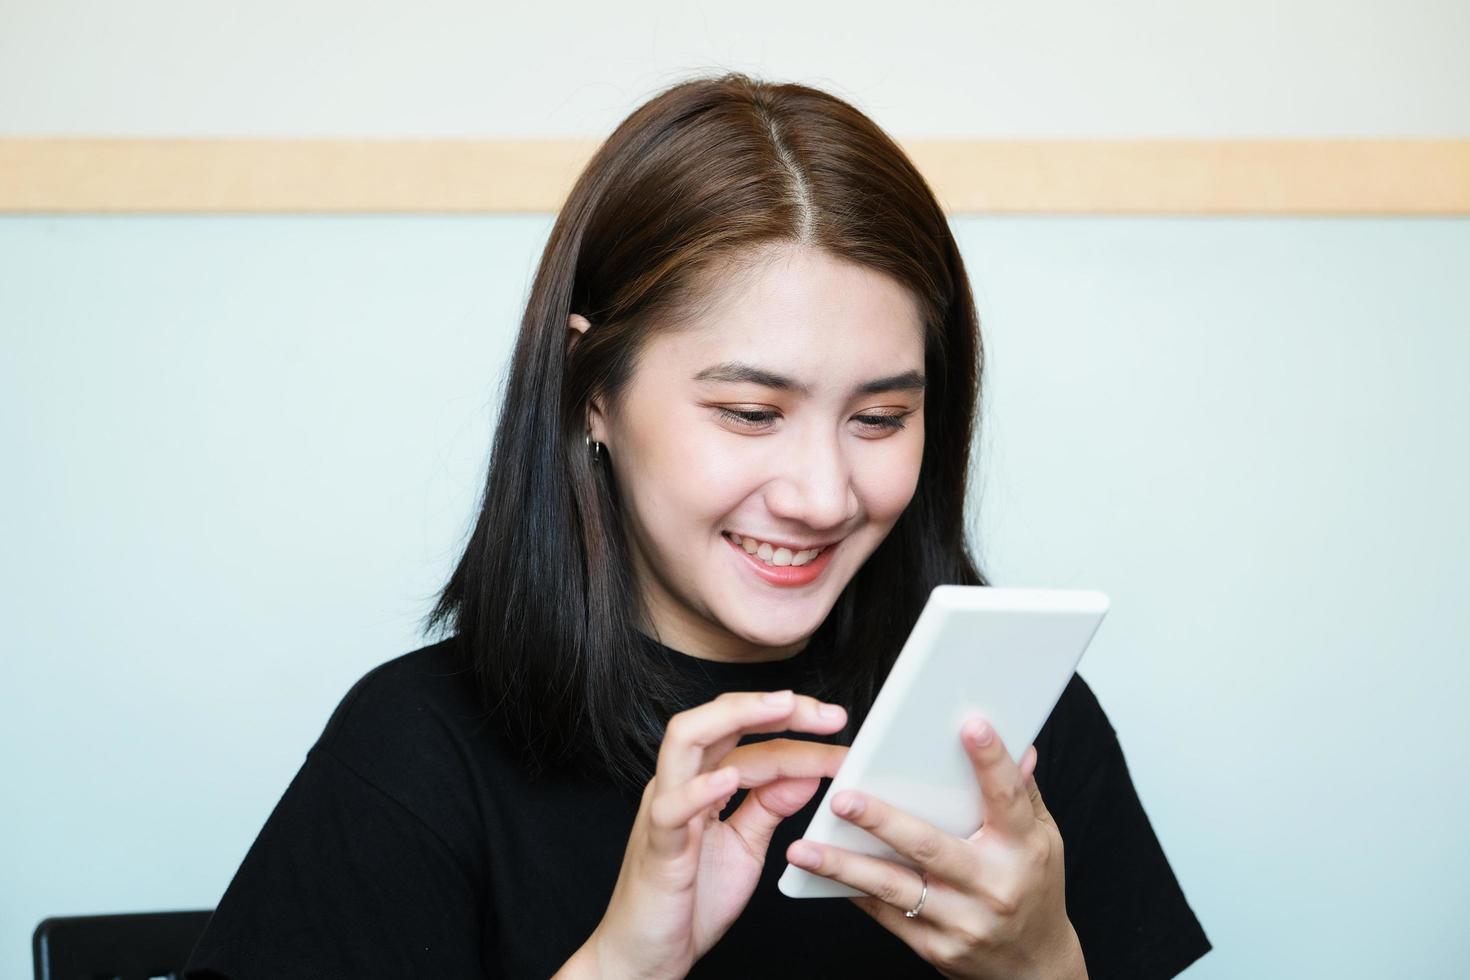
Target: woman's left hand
{"x":996,"y":905}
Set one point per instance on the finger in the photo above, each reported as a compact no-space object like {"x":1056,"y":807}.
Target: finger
{"x":892,"y":884}
{"x":784,"y":774}
{"x":893,"y":919}
{"x":782,"y":758}
{"x":941,"y":854}
{"x":672,"y":809}
{"x":1028,"y":762}
{"x":1007,"y":804}
{"x":689,"y":734}
{"x":1028,"y":771}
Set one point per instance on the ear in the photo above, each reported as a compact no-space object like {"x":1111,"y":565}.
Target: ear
{"x":577,"y":325}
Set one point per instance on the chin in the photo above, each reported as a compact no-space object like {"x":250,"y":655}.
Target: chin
{"x":767,"y":634}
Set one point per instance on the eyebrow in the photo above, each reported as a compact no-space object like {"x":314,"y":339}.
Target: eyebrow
{"x":735,"y":371}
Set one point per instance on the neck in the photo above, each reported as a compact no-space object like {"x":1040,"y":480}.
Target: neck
{"x":734,"y":650}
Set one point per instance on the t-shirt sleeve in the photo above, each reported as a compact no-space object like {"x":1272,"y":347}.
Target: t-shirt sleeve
{"x":350,"y":877}
{"x":1130,"y":914}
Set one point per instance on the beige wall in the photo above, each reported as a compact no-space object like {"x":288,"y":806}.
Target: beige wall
{"x":1070,"y":107}
{"x":1217,"y":69}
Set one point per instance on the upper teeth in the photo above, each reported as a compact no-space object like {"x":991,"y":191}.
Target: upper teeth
{"x":774,"y":556}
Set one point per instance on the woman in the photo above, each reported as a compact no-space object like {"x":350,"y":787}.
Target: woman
{"x":729,"y":469}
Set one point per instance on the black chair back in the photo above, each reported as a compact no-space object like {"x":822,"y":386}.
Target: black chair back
{"x":139,"y":946}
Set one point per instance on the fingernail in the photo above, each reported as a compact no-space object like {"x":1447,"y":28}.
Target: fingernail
{"x":778,"y":697}
{"x":831,"y":711}
{"x":847,"y":804}
{"x":979,"y":732}
{"x":803,"y":855}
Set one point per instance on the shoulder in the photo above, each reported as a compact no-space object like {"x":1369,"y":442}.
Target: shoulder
{"x":1079,"y":707}
{"x":1077,"y":714}
{"x":1123,"y":897}
{"x":429,"y":692}
{"x":412,"y":728}
{"x":373,"y":862}
{"x":1075,"y":743}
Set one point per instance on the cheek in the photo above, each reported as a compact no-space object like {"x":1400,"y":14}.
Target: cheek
{"x":886,"y":477}
{"x":687,"y":478}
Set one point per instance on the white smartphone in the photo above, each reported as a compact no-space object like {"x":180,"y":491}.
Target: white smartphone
{"x":1006,"y":653}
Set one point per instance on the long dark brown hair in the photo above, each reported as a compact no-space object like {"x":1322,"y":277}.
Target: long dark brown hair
{"x":543,"y":600}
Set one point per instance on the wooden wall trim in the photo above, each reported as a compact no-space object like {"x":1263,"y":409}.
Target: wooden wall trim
{"x":1237,"y":177}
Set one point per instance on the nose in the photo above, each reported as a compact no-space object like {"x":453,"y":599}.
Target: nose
{"x":815,"y":487}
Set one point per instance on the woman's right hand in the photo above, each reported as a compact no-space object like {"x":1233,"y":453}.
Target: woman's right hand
{"x":687,"y":875}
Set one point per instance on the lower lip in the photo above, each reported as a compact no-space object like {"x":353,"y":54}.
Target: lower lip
{"x":788,"y":576}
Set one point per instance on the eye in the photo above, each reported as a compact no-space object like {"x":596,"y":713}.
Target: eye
{"x":749,"y":420}
{"x":761,"y":420}
{"x":881,"y":421}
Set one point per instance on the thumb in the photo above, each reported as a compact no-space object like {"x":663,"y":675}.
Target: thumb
{"x":783,"y":775}
{"x":764,"y":807}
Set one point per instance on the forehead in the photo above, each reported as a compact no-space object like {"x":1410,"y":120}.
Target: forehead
{"x":802,"y":310}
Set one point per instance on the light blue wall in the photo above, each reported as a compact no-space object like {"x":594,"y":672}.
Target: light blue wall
{"x":239,"y":454}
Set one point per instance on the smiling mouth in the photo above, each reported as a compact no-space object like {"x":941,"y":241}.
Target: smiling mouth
{"x":777,"y":555}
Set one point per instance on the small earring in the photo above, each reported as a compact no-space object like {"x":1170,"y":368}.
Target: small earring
{"x":596,"y":447}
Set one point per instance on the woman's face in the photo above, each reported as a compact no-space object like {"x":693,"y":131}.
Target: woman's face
{"x":788,"y":417}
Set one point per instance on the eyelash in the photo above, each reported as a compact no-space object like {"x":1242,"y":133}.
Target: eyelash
{"x":879,"y":423}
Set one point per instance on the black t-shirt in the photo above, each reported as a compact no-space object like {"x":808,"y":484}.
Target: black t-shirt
{"x":411,"y":843}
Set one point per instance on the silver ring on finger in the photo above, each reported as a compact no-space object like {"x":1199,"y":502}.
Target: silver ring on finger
{"x":913,"y":913}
